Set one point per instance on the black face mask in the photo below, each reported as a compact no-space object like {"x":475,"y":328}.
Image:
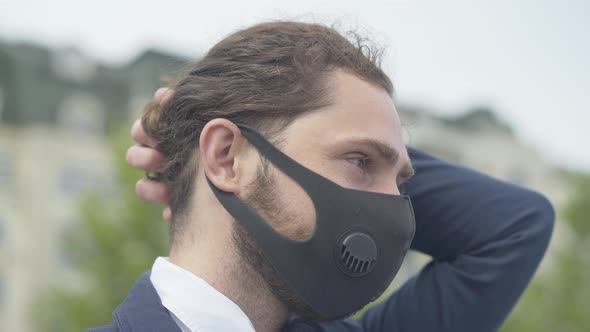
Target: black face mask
{"x":358,"y":245}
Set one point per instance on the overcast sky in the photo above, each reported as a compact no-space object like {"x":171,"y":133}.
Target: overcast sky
{"x":527,"y":59}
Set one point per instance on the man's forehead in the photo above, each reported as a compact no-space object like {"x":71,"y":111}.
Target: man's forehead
{"x":358,"y":109}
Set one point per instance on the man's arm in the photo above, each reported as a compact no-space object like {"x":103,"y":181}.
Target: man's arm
{"x":486,"y":238}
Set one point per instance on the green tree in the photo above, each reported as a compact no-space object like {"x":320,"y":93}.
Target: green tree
{"x":118,"y":239}
{"x":560,"y":300}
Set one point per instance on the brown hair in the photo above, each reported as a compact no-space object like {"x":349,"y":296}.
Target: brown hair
{"x":263,"y":76}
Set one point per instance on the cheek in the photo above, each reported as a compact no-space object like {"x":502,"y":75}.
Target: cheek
{"x":296,"y":218}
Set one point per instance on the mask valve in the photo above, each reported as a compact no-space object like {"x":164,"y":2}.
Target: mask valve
{"x":357,"y":254}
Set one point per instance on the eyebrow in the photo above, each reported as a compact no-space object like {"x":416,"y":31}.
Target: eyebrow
{"x":387,"y":153}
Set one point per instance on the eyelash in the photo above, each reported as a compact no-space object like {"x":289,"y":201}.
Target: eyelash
{"x":364,"y":160}
{"x":367,"y":161}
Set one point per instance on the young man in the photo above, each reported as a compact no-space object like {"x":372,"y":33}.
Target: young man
{"x":281,"y":156}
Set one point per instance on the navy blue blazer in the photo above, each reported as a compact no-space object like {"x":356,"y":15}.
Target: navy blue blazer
{"x":486,"y":238}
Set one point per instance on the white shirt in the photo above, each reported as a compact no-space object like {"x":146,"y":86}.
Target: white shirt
{"x":194,"y":305}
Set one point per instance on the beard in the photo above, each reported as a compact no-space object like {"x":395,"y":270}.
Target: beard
{"x":263,"y":198}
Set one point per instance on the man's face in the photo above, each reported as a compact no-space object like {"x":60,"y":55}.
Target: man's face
{"x":356,"y":142}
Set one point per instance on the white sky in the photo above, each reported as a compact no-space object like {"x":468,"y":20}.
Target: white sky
{"x":527,"y":59}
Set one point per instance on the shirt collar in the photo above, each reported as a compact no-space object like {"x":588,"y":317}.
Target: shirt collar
{"x":193,"y":302}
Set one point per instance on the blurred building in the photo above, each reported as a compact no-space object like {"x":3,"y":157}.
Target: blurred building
{"x":44,"y":173}
{"x":56,"y":107}
{"x":480,"y":140}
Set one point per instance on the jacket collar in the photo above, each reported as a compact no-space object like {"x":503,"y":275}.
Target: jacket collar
{"x":142,"y":310}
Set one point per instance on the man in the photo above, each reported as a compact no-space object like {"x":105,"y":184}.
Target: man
{"x":281,"y":156}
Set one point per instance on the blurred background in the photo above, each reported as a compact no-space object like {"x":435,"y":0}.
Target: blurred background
{"x":499,"y":86}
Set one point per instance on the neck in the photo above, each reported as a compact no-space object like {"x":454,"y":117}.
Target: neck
{"x":208,"y":258}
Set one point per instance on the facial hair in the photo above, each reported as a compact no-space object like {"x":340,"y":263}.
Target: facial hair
{"x":263,"y":198}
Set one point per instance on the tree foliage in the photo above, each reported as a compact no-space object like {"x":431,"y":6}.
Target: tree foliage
{"x":560,"y":300}
{"x":118,"y":239}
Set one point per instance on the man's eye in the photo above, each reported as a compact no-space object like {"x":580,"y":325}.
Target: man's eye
{"x":361,"y":163}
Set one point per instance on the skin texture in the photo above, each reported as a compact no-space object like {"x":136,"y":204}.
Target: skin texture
{"x":355,"y":142}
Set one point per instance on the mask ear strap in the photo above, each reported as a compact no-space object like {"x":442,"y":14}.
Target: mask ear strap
{"x":310,"y":181}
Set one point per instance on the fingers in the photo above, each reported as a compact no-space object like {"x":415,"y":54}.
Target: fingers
{"x":152,"y":191}
{"x":163,"y":95}
{"x":139,"y":135}
{"x":144,"y":158}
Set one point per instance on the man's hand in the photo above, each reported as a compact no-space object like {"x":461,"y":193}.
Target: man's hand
{"x":145,"y":156}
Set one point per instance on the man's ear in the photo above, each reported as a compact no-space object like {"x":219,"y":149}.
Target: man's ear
{"x":219,"y":144}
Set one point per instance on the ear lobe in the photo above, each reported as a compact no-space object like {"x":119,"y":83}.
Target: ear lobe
{"x":219,"y":144}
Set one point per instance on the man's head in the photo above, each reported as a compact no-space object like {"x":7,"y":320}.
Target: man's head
{"x":321,"y":99}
